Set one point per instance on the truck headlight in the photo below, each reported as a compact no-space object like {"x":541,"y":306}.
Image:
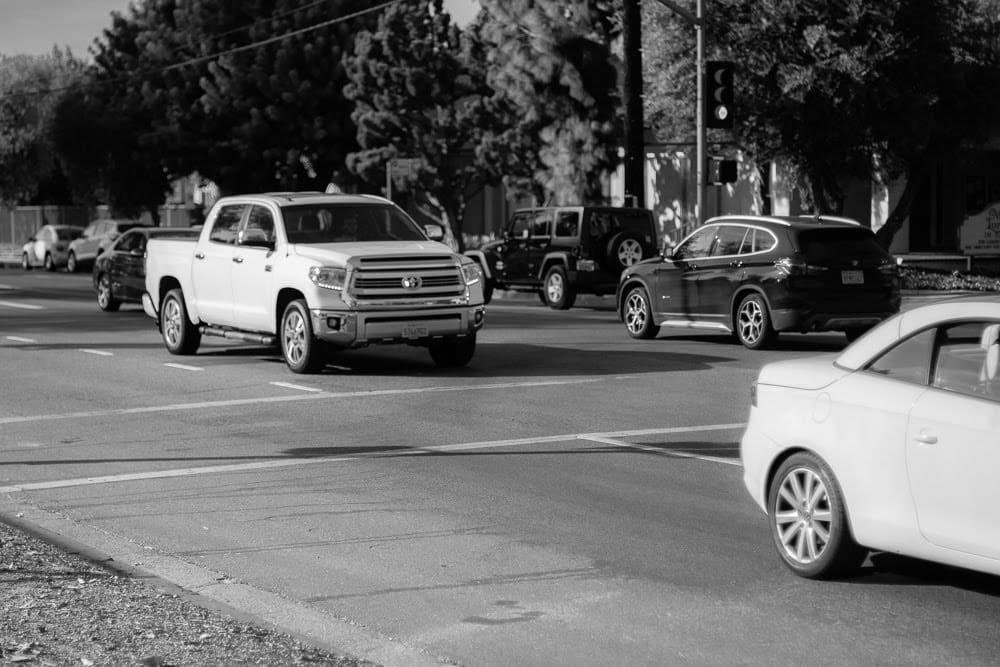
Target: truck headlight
{"x":471,"y":273}
{"x":328,"y":277}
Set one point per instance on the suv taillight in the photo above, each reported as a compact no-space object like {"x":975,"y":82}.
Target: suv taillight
{"x":793,"y":266}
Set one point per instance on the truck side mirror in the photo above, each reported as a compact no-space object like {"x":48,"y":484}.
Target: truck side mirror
{"x":434,"y":232}
{"x":256,"y":238}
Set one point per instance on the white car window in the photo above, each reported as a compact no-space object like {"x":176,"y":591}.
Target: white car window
{"x":909,"y":361}
{"x":967,"y":359}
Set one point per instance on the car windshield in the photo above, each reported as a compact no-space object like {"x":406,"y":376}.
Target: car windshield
{"x":69,"y":234}
{"x":834,"y":244}
{"x":337,"y":223}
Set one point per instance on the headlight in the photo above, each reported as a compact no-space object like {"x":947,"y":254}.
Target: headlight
{"x":328,"y":277}
{"x":471,"y":273}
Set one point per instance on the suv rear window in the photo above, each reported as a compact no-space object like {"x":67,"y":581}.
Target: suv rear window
{"x":826,"y":245}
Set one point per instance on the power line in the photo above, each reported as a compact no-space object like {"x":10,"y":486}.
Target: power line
{"x":200,"y":59}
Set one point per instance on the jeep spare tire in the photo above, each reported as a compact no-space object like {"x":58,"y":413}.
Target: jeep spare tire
{"x":622,"y":251}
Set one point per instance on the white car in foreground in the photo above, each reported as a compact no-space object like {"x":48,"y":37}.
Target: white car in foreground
{"x":893,"y":445}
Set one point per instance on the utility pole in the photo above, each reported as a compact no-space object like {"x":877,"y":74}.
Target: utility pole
{"x":635,"y":140}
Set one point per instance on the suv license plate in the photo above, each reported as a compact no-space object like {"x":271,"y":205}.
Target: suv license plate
{"x":413,"y":331}
{"x":852,"y":277}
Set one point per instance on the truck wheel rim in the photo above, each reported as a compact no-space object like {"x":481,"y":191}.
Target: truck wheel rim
{"x":294,"y":335}
{"x":635,"y":313}
{"x":172,"y":322}
{"x":629,"y":252}
{"x":803,"y":516}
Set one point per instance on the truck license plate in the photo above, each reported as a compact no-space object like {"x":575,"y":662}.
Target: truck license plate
{"x":852,"y":277}
{"x":414,"y":331}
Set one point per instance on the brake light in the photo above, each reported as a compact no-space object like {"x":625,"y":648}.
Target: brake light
{"x":888,"y":267}
{"x":793,"y":266}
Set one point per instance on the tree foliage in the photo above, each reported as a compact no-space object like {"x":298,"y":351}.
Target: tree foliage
{"x":418,"y":88}
{"x":555,"y":84}
{"x":30,"y":90}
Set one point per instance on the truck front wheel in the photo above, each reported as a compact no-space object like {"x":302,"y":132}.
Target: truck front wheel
{"x":302,"y":351}
{"x":453,"y":352}
{"x":179,"y":335}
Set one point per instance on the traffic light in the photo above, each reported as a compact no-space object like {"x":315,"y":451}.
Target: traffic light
{"x":719,"y":94}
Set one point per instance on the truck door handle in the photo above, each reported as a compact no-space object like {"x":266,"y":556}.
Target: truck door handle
{"x":926,"y":438}
{"x":238,"y":260}
{"x":199,"y":255}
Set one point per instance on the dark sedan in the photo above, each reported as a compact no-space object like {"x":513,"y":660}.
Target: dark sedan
{"x":120,"y":271}
{"x":757,"y":275}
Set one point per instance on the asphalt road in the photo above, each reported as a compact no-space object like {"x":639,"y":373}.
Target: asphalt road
{"x":572,"y":497}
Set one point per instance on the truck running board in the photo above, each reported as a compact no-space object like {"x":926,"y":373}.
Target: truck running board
{"x":262,"y":339}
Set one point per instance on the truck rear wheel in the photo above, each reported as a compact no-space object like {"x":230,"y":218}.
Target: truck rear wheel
{"x":303,"y":352}
{"x":453,"y":352}
{"x":179,"y":335}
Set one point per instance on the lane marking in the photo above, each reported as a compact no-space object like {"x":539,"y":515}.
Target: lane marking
{"x":184,"y":367}
{"x":102,"y":353}
{"x":7,"y":287}
{"x":24,"y":306}
{"x":606,"y":438}
{"x":662,"y":450}
{"x":19,"y":339}
{"x":208,"y":405}
{"x":289,"y":385}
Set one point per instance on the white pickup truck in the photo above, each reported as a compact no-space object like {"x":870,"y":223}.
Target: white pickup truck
{"x":314,"y":272}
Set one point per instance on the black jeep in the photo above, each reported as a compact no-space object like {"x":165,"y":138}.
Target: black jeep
{"x":561,"y":251}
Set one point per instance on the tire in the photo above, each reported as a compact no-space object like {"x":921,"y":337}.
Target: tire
{"x":106,"y":300}
{"x":180,"y":336}
{"x":303,"y":352}
{"x":25,"y":264}
{"x":808,"y":520}
{"x":71,"y":265}
{"x":49,"y":264}
{"x":556,"y":290}
{"x":487,"y":290}
{"x":622,"y":251}
{"x":753,"y":323}
{"x":638,"y":315}
{"x":453,"y":352}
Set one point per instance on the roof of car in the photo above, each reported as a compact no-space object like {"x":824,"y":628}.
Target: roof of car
{"x":295,"y":198}
{"x":793,"y":221}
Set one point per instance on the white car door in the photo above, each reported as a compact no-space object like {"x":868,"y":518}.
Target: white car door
{"x":252,"y":277}
{"x":953,"y":444}
{"x":212,"y":268}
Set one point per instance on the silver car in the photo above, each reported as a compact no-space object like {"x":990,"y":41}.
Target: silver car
{"x":96,"y":238}
{"x":49,"y":247}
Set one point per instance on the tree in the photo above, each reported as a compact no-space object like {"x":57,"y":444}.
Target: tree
{"x":30,"y":90}
{"x":555,"y":80}
{"x":854,"y":89}
{"x":418,"y":87}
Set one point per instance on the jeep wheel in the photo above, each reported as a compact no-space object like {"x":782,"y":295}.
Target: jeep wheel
{"x":623,"y":250}
{"x":179,"y":335}
{"x":303,"y":352}
{"x":453,"y":352}
{"x":638,"y":315}
{"x":558,"y":293}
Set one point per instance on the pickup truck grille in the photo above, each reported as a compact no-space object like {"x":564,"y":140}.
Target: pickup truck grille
{"x":405,"y":278}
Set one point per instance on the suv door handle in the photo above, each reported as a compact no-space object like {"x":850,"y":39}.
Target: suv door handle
{"x":238,"y":260}
{"x":926,"y":438}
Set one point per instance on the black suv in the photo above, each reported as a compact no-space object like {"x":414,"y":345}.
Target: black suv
{"x":560,"y":251}
{"x":757,"y":275}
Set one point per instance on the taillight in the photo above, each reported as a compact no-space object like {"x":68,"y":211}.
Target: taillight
{"x":793,"y":266}
{"x":888,"y":267}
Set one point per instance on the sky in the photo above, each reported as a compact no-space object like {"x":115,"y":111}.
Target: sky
{"x":35,"y":26}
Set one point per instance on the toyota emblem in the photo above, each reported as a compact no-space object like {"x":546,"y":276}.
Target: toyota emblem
{"x":412,"y":282}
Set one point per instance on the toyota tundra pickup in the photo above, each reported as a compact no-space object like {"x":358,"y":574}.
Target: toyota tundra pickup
{"x":312,"y":273}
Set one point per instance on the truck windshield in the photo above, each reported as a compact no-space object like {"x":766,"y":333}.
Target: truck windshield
{"x":344,"y":223}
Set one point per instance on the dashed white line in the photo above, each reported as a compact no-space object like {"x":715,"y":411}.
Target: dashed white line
{"x":184,"y":367}
{"x":289,"y":385}
{"x":24,"y":306}
{"x":19,"y":339}
{"x":100,"y":353}
{"x":607,"y":438}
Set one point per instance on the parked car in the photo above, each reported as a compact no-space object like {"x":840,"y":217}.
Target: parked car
{"x":562,"y":251}
{"x":120,"y":272}
{"x":48,"y":247}
{"x":758,"y":275}
{"x":889,"y":446}
{"x":95,"y":239}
